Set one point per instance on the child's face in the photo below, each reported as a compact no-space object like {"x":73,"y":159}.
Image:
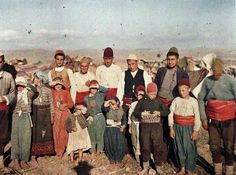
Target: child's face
{"x":58,"y":87}
{"x":152,"y":95}
{"x":184,"y":91}
{"x":139,"y":96}
{"x":113,"y":105}
{"x":20,"y":88}
{"x":93,"y":91}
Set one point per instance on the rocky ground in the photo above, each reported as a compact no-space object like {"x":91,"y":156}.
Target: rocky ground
{"x":100,"y":165}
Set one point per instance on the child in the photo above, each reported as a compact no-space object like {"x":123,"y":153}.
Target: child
{"x":96,"y":127}
{"x":184,"y":122}
{"x":134,"y":123}
{"x":62,"y":103}
{"x":79,"y":139}
{"x":21,"y":125}
{"x":113,"y":138}
{"x":150,"y":110}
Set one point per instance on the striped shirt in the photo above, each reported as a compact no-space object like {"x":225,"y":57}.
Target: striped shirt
{"x":7,"y":86}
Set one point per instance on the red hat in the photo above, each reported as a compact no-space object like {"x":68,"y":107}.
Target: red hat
{"x":185,"y":82}
{"x":140,"y":88}
{"x":108,"y":53}
{"x":59,"y":52}
{"x":93,"y":84}
{"x":151,"y":87}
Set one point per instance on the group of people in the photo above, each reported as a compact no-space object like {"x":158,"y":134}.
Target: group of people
{"x":73,"y":112}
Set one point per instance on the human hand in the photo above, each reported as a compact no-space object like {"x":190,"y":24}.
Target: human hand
{"x":74,"y":129}
{"x":158,"y":113}
{"x":194,"y":135}
{"x":172,"y":133}
{"x":2,"y":99}
{"x":205,"y":124}
{"x":52,"y":120}
{"x":87,"y":83}
{"x":62,"y":107}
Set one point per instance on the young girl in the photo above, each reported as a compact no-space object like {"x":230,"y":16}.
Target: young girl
{"x":96,"y":127}
{"x":184,"y":122}
{"x":21,"y":125}
{"x":150,"y":111}
{"x":134,"y":123}
{"x":113,"y":138}
{"x":79,"y":139}
{"x":62,"y":103}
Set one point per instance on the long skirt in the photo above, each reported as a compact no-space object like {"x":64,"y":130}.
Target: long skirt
{"x":42,"y":135}
{"x":185,"y":147}
{"x":78,"y":140}
{"x":114,"y":143}
{"x":60,"y":134}
{"x":4,"y":132}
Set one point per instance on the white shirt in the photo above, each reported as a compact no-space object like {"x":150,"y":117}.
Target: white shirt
{"x":108,"y":76}
{"x":80,"y":80}
{"x":70,"y":75}
{"x":121,"y":85}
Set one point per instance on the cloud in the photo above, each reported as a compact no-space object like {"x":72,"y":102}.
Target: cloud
{"x":8,"y":35}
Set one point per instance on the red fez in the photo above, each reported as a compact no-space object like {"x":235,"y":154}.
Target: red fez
{"x":185,"y":82}
{"x":108,"y":53}
{"x":59,"y":52}
{"x":140,"y":88}
{"x":151,"y":87}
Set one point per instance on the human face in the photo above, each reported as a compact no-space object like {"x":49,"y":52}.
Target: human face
{"x":217,"y":74}
{"x":184,"y":91}
{"x":113,"y":105}
{"x":152,"y":95}
{"x":132,"y":65}
{"x":59,"y":60}
{"x":93,"y":91}
{"x":139,"y":96}
{"x":84,"y":68}
{"x":108,"y":61}
{"x":20,"y":88}
{"x":1,"y":62}
{"x":172,"y":61}
{"x":58,"y":87}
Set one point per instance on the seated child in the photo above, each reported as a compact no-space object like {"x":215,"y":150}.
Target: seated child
{"x":113,"y":138}
{"x":79,"y":139}
{"x":184,"y":122}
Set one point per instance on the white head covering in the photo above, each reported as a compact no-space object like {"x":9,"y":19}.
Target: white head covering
{"x":132,"y":57}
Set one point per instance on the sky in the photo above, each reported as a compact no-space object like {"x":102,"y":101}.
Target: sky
{"x":120,"y":24}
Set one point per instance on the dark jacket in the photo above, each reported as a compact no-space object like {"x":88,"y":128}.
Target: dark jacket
{"x":70,"y":121}
{"x":11,"y":69}
{"x":161,"y":74}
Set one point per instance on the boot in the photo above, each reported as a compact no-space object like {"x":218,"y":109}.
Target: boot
{"x":229,"y":170}
{"x":218,"y":168}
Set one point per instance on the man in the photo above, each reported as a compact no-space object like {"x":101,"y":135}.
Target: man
{"x":60,"y":71}
{"x":108,"y":74}
{"x":167,"y":78}
{"x":9,"y":68}
{"x":82,"y":81}
{"x":7,"y":94}
{"x":218,"y":93}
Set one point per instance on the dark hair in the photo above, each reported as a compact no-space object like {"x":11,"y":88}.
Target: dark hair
{"x":3,"y":58}
{"x":172,"y":54}
{"x":60,"y":54}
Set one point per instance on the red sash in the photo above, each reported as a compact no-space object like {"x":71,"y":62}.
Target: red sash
{"x":167,"y":103}
{"x":184,"y":120}
{"x":80,"y":97}
{"x":220,"y":110}
{"x":111,"y":92}
{"x":3,"y":107}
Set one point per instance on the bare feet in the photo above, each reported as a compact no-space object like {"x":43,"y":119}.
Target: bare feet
{"x":16,"y":165}
{"x":24,"y":165}
{"x":181,"y":171}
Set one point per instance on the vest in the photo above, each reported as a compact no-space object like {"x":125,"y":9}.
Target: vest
{"x":63,"y":74}
{"x":132,"y":82}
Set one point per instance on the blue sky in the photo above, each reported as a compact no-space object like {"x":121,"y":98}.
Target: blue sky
{"x":122,"y":24}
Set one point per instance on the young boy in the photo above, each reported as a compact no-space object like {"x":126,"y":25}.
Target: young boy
{"x":21,"y":125}
{"x":150,"y":111}
{"x":113,"y":138}
{"x":184,"y":122}
{"x":94,"y":102}
{"x":134,"y":123}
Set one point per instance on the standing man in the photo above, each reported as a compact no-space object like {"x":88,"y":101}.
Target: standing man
{"x":218,"y":93}
{"x":167,"y":79}
{"x":60,"y":71}
{"x":108,"y":74}
{"x":7,"y":93}
{"x":82,"y":81}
